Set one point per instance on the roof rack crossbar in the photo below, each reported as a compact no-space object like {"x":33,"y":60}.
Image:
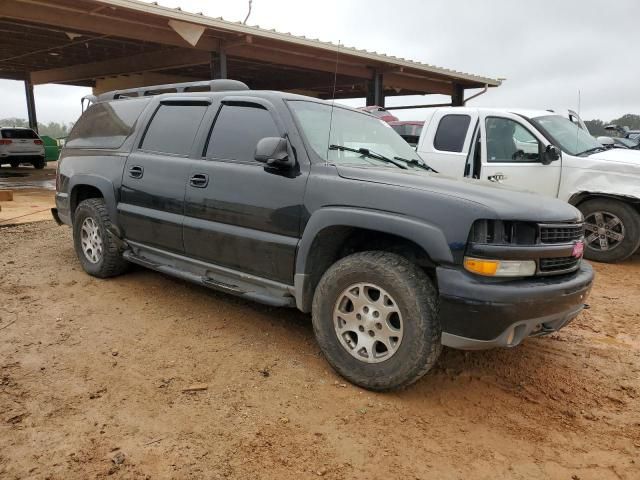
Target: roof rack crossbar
{"x":203,"y":86}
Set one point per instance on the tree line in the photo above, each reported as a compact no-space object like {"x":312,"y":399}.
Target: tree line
{"x":596,"y":127}
{"x":51,"y":129}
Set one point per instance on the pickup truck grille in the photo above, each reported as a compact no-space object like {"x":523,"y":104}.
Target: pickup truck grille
{"x":550,"y":234}
{"x":559,"y":264}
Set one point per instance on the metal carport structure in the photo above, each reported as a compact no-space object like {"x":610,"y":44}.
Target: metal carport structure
{"x":113,"y":44}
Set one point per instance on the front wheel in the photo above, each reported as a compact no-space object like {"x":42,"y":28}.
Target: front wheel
{"x":14,"y":164}
{"x":375,"y":317}
{"x":612,"y":230}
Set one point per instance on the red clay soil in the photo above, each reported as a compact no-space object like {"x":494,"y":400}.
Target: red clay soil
{"x":93,"y":376}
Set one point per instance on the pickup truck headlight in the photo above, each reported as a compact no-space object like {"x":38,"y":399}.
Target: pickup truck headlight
{"x":500,"y":268}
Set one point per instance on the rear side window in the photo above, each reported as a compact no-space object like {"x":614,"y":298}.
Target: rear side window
{"x":173,"y":129}
{"x":23,"y":133}
{"x":106,"y":124}
{"x":451,"y":133}
{"x":237,"y":131}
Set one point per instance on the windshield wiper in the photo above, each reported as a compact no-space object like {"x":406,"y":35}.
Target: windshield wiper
{"x":591,"y":150}
{"x":365,"y":152}
{"x":417,"y":163}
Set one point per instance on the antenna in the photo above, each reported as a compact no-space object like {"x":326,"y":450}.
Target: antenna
{"x":333,"y":100}
{"x":248,"y":13}
{"x":579,"y":115}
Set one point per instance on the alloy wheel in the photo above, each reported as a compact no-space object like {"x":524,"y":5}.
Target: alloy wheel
{"x":604,"y":231}
{"x":368,"y":322}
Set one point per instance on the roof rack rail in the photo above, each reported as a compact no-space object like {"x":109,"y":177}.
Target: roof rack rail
{"x":204,"y":86}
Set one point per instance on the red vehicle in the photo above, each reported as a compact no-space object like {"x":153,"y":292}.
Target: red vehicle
{"x":380,"y":112}
{"x":409,"y":130}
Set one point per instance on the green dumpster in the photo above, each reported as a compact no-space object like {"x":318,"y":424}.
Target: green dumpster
{"x":51,"y":148}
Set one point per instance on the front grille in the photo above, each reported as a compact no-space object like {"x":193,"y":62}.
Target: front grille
{"x":550,"y":234}
{"x":559,"y":264}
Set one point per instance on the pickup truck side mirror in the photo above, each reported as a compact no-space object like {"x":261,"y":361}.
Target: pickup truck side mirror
{"x":274,"y":151}
{"x":551,"y":154}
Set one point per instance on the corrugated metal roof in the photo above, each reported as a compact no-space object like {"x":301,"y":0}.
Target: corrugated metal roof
{"x":239,"y":27}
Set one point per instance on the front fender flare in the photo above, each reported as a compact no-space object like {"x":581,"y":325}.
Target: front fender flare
{"x":429,"y":237}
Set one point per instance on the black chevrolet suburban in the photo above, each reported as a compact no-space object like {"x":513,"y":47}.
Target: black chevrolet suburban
{"x":295,"y":202}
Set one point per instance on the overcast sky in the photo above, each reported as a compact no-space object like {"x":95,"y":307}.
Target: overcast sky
{"x":547,"y":50}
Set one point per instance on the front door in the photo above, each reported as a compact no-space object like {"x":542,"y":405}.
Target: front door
{"x":240,"y":213}
{"x":512,"y":155}
{"x":151,"y":208}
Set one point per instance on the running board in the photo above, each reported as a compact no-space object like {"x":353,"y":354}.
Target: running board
{"x":212,"y":276}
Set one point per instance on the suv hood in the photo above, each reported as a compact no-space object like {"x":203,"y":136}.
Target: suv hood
{"x":507,"y":203}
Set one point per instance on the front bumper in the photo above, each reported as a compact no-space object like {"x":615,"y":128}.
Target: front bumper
{"x":477,"y":313}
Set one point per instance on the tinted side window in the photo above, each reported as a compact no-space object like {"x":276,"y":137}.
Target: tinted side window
{"x":173,"y":129}
{"x":451,"y":133}
{"x":106,"y":124}
{"x":237,"y":131}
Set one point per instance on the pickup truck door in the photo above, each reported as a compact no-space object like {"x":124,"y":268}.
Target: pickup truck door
{"x":444,"y":144}
{"x":151,"y":207}
{"x":239,"y":213}
{"x":512,"y":152}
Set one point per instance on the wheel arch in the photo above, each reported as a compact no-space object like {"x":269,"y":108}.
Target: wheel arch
{"x":89,"y":186}
{"x":333,"y":233}
{"x":580,"y":197}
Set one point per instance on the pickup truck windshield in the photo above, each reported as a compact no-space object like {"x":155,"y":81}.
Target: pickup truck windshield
{"x":351,"y":134}
{"x":567,"y":135}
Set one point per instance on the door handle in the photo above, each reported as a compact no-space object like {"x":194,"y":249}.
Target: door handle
{"x":498,"y":177}
{"x":199,"y":180}
{"x":136,"y":171}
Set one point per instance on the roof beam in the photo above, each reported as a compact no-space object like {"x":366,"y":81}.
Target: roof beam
{"x":97,"y":23}
{"x":144,"y":62}
{"x":282,"y":57}
{"x":406,"y":82}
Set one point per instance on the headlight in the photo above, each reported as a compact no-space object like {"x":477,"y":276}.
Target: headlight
{"x":500,"y":268}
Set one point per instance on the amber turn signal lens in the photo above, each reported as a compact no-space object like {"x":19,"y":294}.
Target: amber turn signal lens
{"x":481,"y":267}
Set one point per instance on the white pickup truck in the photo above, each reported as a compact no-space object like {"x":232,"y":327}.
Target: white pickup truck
{"x":546,"y":153}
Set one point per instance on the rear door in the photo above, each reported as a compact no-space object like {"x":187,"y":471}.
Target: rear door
{"x":512,"y":154}
{"x":240,"y":213}
{"x":444,"y":146}
{"x":151,"y":208}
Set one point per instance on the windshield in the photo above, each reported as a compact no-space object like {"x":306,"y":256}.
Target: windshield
{"x":567,"y":135}
{"x":352,"y":130}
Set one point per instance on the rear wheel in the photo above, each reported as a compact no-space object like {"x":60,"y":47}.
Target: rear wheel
{"x":375,"y":317}
{"x":14,"y":163}
{"x":612,"y":230}
{"x":39,"y":164}
{"x":95,"y":248}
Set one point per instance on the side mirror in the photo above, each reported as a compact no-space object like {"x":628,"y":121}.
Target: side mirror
{"x":274,"y":151}
{"x":551,"y":154}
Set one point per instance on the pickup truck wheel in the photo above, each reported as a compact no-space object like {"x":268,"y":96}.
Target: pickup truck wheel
{"x":96,"y":250}
{"x":612,"y":230}
{"x":375,"y":317}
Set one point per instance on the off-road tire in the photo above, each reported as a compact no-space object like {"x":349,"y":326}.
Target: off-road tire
{"x":14,"y":164}
{"x":417,"y":300}
{"x":39,"y":164}
{"x":629,"y":217}
{"x":111,"y":262}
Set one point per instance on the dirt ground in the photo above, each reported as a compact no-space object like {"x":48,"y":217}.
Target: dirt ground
{"x":93,"y":372}
{"x":33,"y":193}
